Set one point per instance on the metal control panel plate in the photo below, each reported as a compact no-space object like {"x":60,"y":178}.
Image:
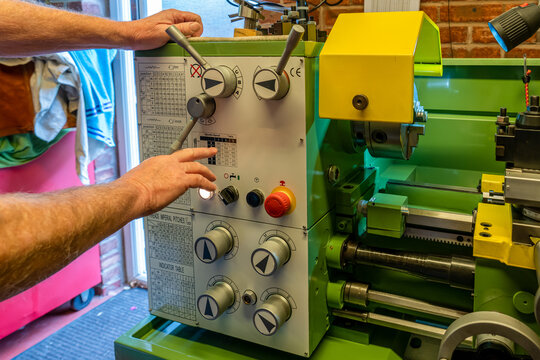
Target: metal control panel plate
{"x":176,"y":278}
{"x":262,"y":146}
{"x":261,"y":143}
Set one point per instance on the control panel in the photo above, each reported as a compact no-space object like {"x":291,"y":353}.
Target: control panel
{"x":237,"y":260}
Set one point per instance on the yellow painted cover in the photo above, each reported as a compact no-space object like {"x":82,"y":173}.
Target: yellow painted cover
{"x":373,"y":54}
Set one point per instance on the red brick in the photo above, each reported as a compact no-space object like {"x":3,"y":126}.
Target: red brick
{"x":112,"y":259}
{"x":475,"y":13}
{"x":106,"y":247}
{"x":106,"y":289}
{"x":459,"y":34}
{"x":331,"y":14}
{"x":444,"y":33}
{"x":270,"y":17}
{"x":531,"y":51}
{"x":112,"y":274}
{"x":488,"y":51}
{"x":460,"y":51}
{"x":482,"y":34}
{"x":432,"y":11}
{"x":443,"y":12}
{"x":446,"y":51}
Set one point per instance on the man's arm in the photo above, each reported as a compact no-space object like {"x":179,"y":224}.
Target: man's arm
{"x":28,"y":29}
{"x":42,"y":233}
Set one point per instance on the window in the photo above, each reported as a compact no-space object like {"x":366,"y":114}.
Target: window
{"x":216,"y":22}
{"x":214,"y":14}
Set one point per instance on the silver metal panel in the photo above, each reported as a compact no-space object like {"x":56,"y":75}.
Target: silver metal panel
{"x":522,"y":187}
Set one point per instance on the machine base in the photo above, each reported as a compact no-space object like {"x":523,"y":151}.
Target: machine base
{"x":157,"y":338}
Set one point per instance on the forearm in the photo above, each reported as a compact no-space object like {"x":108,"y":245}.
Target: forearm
{"x":42,"y":233}
{"x":28,"y":29}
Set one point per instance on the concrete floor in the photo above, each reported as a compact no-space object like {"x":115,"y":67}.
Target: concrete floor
{"x":26,"y":337}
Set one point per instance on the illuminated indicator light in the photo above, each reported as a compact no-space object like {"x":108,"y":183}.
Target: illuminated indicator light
{"x":205,"y":194}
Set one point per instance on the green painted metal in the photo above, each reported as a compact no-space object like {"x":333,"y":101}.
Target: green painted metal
{"x":457,"y":148}
{"x":451,"y":139}
{"x":478,"y":86}
{"x":334,"y":294}
{"x":308,"y":49}
{"x":319,"y":320}
{"x":524,"y":302}
{"x":329,"y":142}
{"x":385,"y":215}
{"x":495,"y":286}
{"x":333,"y":250}
{"x":156,"y":338}
{"x":357,"y":188}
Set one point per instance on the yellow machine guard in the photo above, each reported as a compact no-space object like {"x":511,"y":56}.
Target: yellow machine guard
{"x":493,"y":237}
{"x":377,"y":55}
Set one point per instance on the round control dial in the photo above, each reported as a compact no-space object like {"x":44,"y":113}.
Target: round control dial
{"x":218,"y":81}
{"x":272,"y":314}
{"x":255,"y":198}
{"x":270,"y":256}
{"x":229,"y":195}
{"x":213,"y":245}
{"x":215,"y":300}
{"x":269,"y":85}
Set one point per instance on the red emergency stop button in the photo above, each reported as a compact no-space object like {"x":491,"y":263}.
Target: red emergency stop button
{"x":280,"y":202}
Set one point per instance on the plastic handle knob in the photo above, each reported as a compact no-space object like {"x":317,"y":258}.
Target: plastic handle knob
{"x":216,"y":300}
{"x":296,"y":34}
{"x":275,"y":311}
{"x":277,"y":204}
{"x":179,"y":38}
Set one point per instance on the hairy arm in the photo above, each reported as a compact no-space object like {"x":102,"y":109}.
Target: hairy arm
{"x":29,"y":29}
{"x":42,"y":233}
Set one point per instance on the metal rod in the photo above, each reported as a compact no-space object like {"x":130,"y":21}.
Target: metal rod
{"x":413,"y":304}
{"x":294,"y":38}
{"x":179,"y":38}
{"x":463,"y":189}
{"x":455,"y":271}
{"x":356,"y":293}
{"x":397,"y":324}
{"x":177,"y":145}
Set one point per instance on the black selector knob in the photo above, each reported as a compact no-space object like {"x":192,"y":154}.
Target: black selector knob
{"x":255,"y":198}
{"x":530,"y":119}
{"x":228,"y":195}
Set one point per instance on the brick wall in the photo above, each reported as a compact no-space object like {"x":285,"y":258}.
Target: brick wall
{"x":111,"y":249}
{"x":463,"y":25}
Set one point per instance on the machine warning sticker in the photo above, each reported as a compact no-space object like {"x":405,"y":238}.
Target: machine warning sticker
{"x":170,"y":261}
{"x":227,"y":148}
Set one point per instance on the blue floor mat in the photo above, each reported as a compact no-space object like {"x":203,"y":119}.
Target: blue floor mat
{"x":92,"y":335}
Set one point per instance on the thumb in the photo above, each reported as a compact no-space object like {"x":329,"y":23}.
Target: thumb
{"x":190,"y":28}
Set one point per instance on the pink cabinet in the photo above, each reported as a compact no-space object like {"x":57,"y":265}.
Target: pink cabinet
{"x":54,"y":170}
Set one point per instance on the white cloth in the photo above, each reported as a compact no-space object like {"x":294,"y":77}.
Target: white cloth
{"x":56,"y":90}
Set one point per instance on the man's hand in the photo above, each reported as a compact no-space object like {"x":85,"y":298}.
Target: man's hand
{"x":161,"y":179}
{"x":149,"y":33}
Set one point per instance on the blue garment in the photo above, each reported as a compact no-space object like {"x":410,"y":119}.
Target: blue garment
{"x":95,"y":69}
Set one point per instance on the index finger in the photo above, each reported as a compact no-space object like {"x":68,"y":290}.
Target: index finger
{"x":193,"y":154}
